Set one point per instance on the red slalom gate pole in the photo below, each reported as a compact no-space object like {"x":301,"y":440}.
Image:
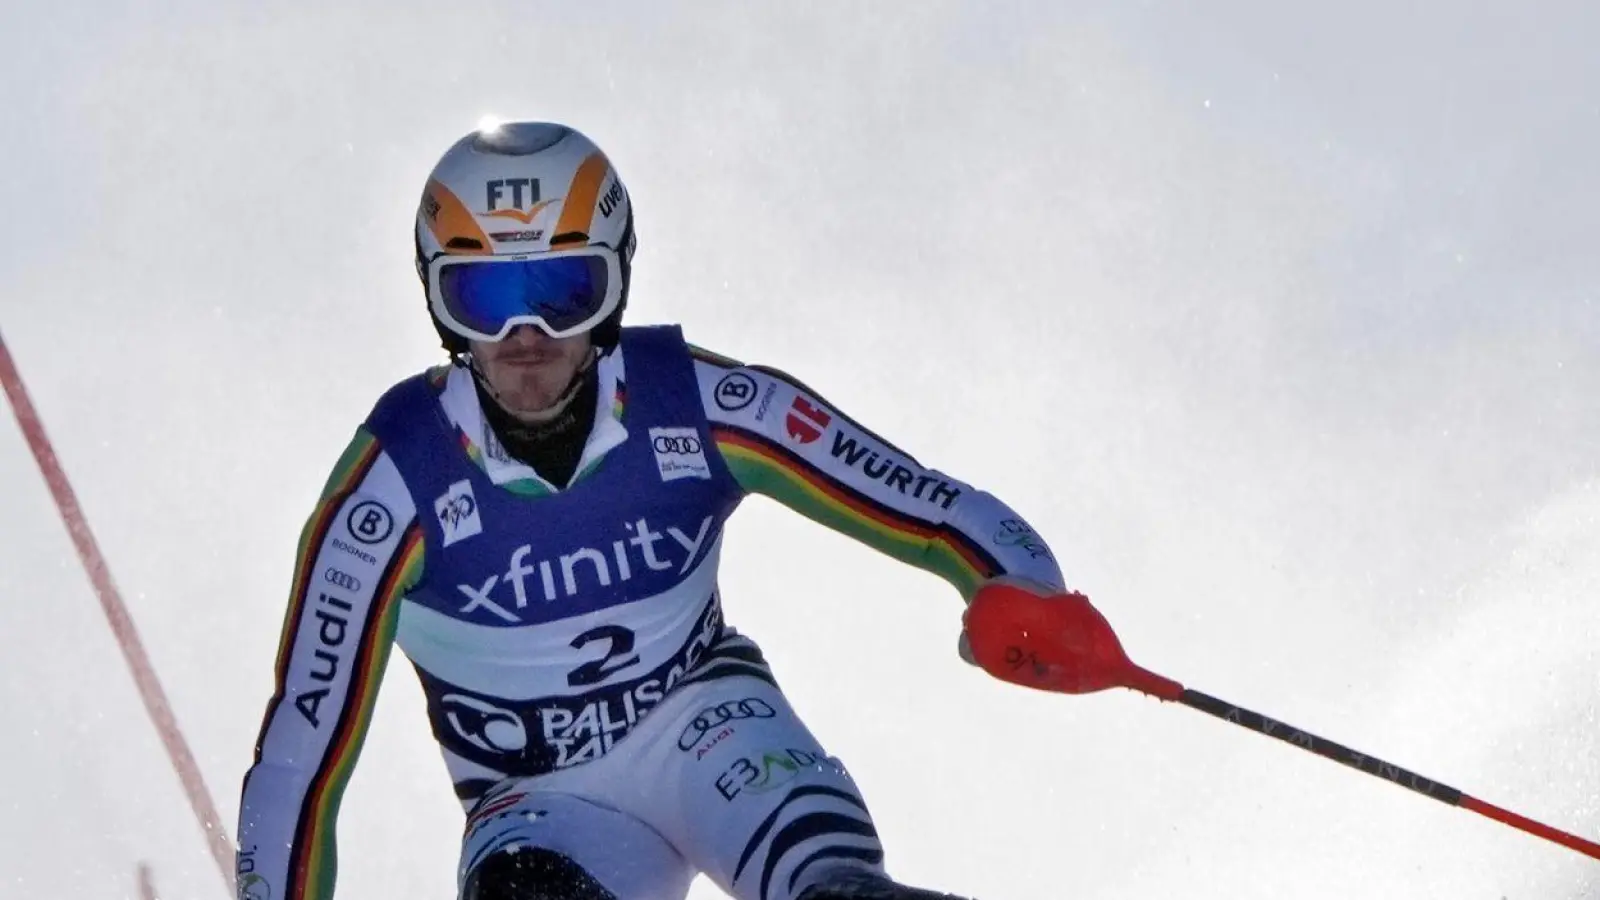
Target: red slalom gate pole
{"x":116,"y":612}
{"x":1063,"y":644}
{"x":147,"y":883}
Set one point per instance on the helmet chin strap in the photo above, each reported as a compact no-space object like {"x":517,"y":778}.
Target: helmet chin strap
{"x":535,"y":417}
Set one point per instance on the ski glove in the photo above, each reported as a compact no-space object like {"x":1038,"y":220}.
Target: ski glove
{"x":1036,"y":636}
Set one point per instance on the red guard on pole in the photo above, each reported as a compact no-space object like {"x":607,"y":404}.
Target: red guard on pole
{"x":1055,"y":643}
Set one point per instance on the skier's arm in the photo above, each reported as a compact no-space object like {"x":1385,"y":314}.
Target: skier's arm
{"x":782,"y":440}
{"x":361,"y":550}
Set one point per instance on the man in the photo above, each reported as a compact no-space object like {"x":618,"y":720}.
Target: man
{"x":538,"y":525}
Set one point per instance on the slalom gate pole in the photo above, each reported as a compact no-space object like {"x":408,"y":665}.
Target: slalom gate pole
{"x":116,"y":612}
{"x":146,"y":881}
{"x":1063,"y":644}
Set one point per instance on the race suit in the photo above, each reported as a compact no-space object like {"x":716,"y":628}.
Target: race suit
{"x":546,"y":622}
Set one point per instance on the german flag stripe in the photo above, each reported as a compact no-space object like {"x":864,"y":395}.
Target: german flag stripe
{"x":352,"y":468}
{"x":760,"y":464}
{"x":314,"y":863}
{"x":753,"y":445}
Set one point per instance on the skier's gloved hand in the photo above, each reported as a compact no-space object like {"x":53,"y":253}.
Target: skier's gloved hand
{"x":1034,"y":635}
{"x":1036,"y":588}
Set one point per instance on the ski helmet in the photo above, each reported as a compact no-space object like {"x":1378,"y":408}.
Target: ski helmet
{"x":524,"y":223}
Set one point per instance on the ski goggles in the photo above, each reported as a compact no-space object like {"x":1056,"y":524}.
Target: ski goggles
{"x":563,"y":292}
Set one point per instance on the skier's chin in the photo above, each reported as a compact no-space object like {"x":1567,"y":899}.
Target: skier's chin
{"x":529,"y":373}
{"x":534,"y":397}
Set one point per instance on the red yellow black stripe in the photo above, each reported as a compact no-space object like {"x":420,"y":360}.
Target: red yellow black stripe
{"x":311,"y":864}
{"x":357,"y":461}
{"x":855,"y":504}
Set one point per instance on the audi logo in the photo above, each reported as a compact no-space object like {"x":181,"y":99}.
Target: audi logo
{"x":686,"y":444}
{"x":721,"y":714}
{"x":340,"y":578}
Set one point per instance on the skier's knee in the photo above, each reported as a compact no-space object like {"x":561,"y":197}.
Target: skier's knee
{"x":532,"y":873}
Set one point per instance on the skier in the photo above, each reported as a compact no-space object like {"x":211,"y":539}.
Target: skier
{"x":537,"y":525}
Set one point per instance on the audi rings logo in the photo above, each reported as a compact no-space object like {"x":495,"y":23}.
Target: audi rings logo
{"x":686,"y":444}
{"x":680,"y":453}
{"x":715,"y":716}
{"x":341,"y":578}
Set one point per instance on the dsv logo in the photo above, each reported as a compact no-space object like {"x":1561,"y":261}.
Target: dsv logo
{"x":484,"y":725}
{"x":341,"y":578}
{"x":685,"y":444}
{"x":721,"y":714}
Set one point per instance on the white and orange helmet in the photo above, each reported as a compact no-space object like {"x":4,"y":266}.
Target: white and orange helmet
{"x":524,"y":223}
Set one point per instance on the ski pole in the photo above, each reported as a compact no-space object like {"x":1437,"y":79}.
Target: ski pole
{"x":1064,"y":645}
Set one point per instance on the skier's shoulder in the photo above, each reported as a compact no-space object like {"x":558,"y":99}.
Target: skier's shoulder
{"x":717,"y":366}
{"x":736,"y":389}
{"x":407,"y":400}
{"x":668,"y":333}
{"x":651,"y":351}
{"x":729,"y":385}
{"x":393,"y":416}
{"x":776,"y":409}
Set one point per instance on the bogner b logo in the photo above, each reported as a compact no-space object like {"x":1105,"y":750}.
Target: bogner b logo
{"x":457,"y":510}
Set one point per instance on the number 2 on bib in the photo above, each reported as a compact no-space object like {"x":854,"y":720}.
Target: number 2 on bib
{"x":619,"y":644}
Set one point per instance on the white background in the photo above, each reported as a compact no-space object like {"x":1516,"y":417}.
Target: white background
{"x":1278,"y":320}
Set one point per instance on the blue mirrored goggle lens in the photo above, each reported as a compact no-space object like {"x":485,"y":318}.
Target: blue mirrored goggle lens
{"x":565,"y":292}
